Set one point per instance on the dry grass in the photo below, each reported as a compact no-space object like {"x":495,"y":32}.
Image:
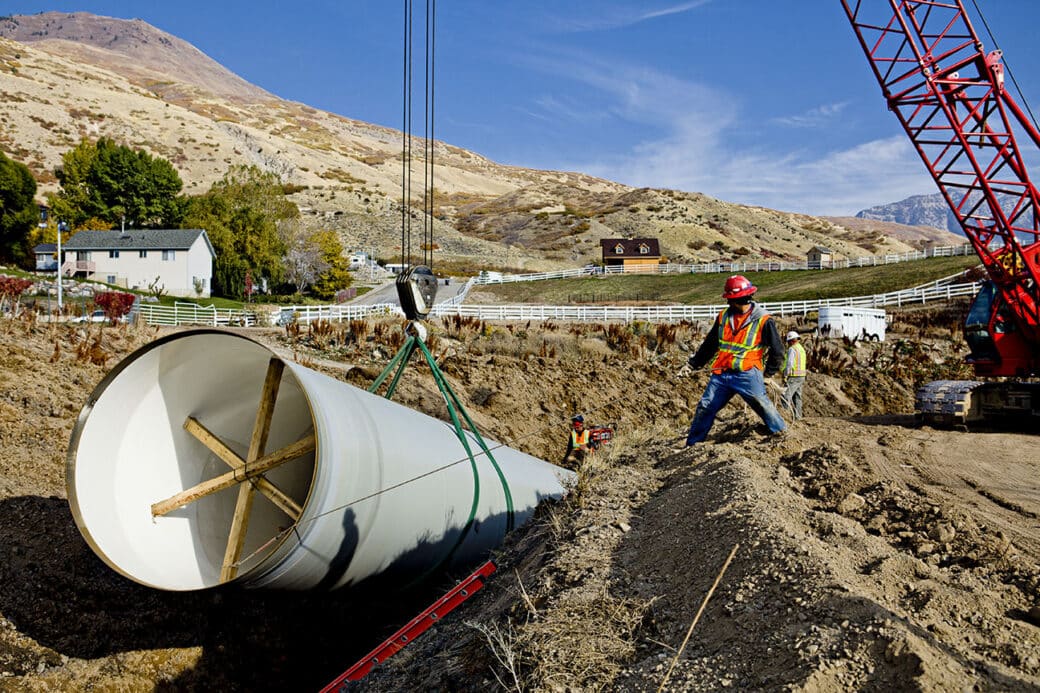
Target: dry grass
{"x":560,"y":635}
{"x":505,"y":649}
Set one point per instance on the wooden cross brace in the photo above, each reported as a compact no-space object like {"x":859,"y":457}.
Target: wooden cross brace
{"x":250,"y":469}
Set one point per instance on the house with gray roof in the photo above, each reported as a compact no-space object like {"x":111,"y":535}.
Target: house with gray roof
{"x":819,"y":257}
{"x":46,"y":257}
{"x":180,"y":261}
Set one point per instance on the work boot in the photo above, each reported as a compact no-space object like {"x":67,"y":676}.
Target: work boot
{"x":772,"y":440}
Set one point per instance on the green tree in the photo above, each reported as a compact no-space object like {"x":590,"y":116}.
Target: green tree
{"x":242,"y":213}
{"x":103,"y":180}
{"x":336,"y":275}
{"x":18,"y":211}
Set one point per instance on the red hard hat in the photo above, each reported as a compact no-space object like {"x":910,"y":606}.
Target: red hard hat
{"x":738,"y":286}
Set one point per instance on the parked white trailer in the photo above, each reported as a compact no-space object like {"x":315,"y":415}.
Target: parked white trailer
{"x":854,"y":323}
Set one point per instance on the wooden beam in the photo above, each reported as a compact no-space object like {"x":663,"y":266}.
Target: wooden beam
{"x":265,"y":411}
{"x":237,"y":534}
{"x":218,"y":448}
{"x":215,"y":444}
{"x":257,"y":443}
{"x":236,"y":476}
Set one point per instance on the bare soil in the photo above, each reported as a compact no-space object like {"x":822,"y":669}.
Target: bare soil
{"x":870,"y":553}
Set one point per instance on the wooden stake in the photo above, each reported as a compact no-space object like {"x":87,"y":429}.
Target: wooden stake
{"x":698,"y":616}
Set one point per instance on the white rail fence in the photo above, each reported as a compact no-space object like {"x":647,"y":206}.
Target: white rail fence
{"x":458,"y":298}
{"x":730,"y":267}
{"x":334,"y":313}
{"x":191,"y":314}
{"x":675,"y":313}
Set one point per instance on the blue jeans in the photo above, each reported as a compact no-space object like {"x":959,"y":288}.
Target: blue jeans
{"x":750,"y":385}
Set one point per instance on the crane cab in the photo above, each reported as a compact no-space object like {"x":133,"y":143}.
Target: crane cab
{"x":998,"y":350}
{"x":997,"y":346}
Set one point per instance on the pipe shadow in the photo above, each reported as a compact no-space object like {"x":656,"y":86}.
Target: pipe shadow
{"x":60,"y":594}
{"x":311,"y":638}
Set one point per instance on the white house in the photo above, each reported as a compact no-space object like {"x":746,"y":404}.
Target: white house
{"x":179,"y":261}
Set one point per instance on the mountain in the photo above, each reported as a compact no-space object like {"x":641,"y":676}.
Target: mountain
{"x":64,"y":77}
{"x":132,"y":48}
{"x":863,"y":231}
{"x":918,"y":210}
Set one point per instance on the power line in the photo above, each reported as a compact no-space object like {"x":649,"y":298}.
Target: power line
{"x":1007,"y":66}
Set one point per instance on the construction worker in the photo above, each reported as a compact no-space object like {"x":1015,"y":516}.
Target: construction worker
{"x":793,"y":372}
{"x":579,"y":443}
{"x":744,"y":348}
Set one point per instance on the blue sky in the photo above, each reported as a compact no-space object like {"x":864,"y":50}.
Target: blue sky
{"x":764,"y":102}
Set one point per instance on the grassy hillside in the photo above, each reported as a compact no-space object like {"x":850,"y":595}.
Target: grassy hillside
{"x":707,"y":288}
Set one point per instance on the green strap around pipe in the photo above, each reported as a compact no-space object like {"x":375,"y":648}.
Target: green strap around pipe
{"x":455,"y":407}
{"x":449,"y":398}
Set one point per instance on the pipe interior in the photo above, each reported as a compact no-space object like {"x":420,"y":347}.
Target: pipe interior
{"x":133,"y":451}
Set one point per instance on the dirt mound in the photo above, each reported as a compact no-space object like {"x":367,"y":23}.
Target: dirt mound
{"x":845,"y":576}
{"x":871,"y":554}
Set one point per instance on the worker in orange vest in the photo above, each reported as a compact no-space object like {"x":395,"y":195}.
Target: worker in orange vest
{"x":579,"y":444}
{"x":744,"y":348}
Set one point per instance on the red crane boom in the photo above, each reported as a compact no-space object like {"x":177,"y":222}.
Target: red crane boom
{"x":949,"y":95}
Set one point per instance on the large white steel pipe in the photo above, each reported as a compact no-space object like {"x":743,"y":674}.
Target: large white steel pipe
{"x":386,"y":492}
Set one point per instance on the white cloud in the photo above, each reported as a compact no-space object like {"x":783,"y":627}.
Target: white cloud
{"x":552,"y":108}
{"x":814,"y":117}
{"x":637,"y":94}
{"x":691,"y":129}
{"x":675,"y":9}
{"x":839,"y":183}
{"x":608,"y":18}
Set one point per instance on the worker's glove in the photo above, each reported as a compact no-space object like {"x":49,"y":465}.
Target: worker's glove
{"x":690,"y":362}
{"x":770,"y":374}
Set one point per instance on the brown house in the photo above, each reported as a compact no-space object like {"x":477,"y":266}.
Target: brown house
{"x":630,"y":253}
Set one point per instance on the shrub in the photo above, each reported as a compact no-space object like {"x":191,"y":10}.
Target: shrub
{"x":116,"y":304}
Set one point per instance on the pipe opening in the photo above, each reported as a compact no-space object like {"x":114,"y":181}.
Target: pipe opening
{"x":131,"y":449}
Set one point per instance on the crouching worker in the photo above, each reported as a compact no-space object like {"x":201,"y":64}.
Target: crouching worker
{"x":744,"y":348}
{"x":579,"y":444}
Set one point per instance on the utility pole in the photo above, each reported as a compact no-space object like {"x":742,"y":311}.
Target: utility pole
{"x":62,"y":226}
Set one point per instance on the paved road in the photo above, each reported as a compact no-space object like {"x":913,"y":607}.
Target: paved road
{"x":387,"y":293}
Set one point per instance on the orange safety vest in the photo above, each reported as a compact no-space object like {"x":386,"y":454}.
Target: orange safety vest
{"x":740,"y":349}
{"x":579,"y":439}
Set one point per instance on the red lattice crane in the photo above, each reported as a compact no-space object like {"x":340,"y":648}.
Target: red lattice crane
{"x":949,"y":95}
